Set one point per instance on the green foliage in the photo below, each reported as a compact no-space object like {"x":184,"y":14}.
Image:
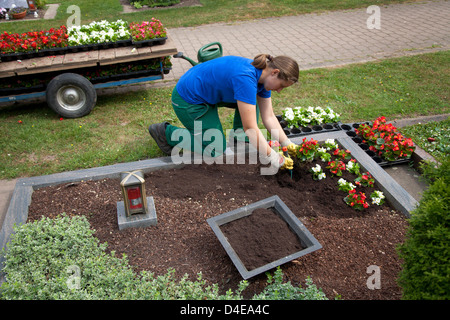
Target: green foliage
{"x":154,"y":3}
{"x":61,"y":259}
{"x":42,"y":256}
{"x":426,"y":251}
{"x":277,"y":290}
{"x":40,"y":3}
{"x":433,"y":137}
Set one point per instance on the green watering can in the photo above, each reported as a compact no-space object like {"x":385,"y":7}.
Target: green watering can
{"x":205,"y":53}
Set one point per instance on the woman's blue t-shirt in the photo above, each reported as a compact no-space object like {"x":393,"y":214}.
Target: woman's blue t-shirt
{"x":225,"y":79}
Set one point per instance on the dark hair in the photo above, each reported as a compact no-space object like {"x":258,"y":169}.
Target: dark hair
{"x":288,"y":67}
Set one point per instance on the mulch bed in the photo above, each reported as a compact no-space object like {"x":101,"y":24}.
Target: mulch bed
{"x":182,"y":239}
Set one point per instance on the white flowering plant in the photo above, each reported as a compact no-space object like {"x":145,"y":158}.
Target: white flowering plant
{"x":345,"y":186}
{"x":98,"y":32}
{"x":300,"y":116}
{"x":330,"y":144}
{"x":377,"y":197}
{"x":353,"y":167}
{"x":317,"y":172}
{"x":323,"y":154}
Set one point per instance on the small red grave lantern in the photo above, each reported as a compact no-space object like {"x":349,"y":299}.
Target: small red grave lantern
{"x":31,"y":5}
{"x":133,"y":190}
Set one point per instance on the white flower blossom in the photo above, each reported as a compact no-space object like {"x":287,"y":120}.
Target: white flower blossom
{"x":310,"y":116}
{"x":98,"y":32}
{"x":289,"y":114}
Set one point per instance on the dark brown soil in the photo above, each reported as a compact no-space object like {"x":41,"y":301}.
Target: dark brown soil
{"x":184,"y":198}
{"x":261,"y":238}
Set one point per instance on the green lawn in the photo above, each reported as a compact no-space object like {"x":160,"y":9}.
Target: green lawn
{"x":34,"y":141}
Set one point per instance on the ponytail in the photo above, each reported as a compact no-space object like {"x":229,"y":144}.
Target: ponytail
{"x":288,"y":67}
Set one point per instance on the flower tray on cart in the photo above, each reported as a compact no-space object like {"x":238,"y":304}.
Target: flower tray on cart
{"x":100,"y":46}
{"x":130,"y":75}
{"x":21,"y":90}
{"x":350,"y":130}
{"x":150,"y":42}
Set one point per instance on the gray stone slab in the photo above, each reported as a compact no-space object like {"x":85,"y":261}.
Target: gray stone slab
{"x":136,"y":220}
{"x":307,"y":240}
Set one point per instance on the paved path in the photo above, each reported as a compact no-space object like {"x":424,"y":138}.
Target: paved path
{"x":327,"y":39}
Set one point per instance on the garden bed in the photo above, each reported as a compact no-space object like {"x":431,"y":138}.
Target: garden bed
{"x":185,"y":198}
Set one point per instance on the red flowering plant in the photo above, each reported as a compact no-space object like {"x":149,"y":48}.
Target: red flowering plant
{"x":307,"y":150}
{"x":365,"y":180}
{"x":343,"y":154}
{"x":336,"y":167}
{"x":33,"y":41}
{"x":385,"y":140}
{"x":356,"y":200}
{"x":147,"y":30}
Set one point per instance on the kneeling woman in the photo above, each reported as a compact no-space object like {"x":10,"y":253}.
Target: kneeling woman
{"x":234,"y":82}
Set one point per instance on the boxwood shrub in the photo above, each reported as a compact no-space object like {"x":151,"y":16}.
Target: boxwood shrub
{"x":426,"y":251}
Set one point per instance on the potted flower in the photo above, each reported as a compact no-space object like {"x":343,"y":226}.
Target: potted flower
{"x":18,"y":12}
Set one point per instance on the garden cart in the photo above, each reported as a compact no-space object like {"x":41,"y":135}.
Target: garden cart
{"x":73,"y":77}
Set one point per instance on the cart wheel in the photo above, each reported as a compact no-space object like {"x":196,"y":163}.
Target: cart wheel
{"x":71,"y":95}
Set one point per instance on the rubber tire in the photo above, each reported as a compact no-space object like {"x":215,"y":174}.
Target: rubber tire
{"x":76,"y":83}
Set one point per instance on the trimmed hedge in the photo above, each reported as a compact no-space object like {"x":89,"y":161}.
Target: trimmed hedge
{"x":426,"y":251}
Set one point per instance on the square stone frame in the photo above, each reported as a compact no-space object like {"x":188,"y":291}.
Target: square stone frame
{"x":305,"y":237}
{"x":17,"y":212}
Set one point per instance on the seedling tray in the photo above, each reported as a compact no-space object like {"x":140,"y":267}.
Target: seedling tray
{"x":303,"y":131}
{"x":307,"y":240}
{"x":350,"y":128}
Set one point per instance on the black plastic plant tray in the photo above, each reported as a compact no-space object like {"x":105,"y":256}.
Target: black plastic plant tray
{"x":349,"y":129}
{"x":32,"y":54}
{"x":150,"y":42}
{"x":303,"y":131}
{"x":307,"y":240}
{"x":21,"y":90}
